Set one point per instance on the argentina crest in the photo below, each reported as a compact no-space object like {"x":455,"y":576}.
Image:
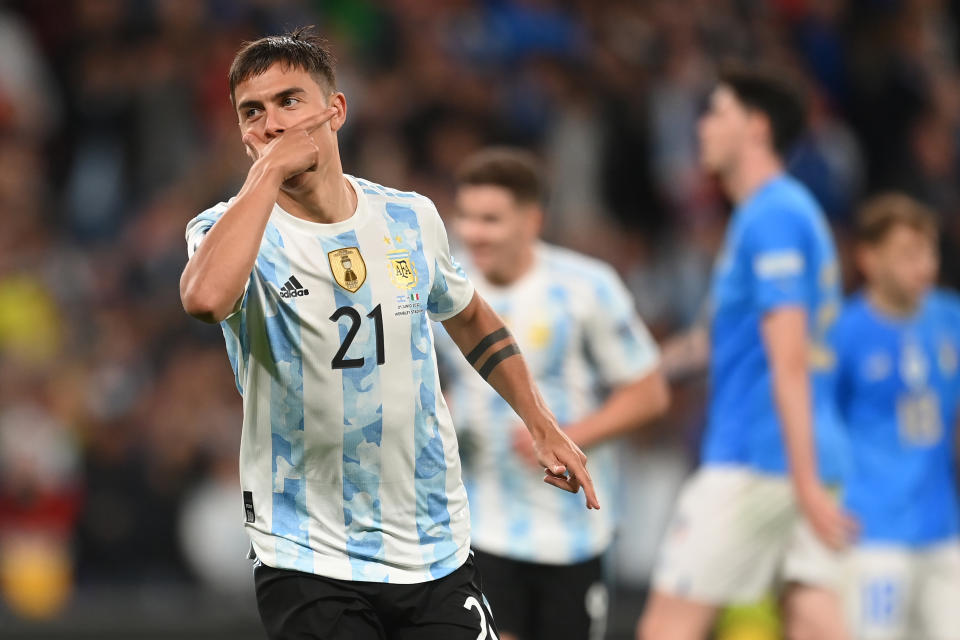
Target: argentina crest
{"x":348,"y":268}
{"x":403,"y":272}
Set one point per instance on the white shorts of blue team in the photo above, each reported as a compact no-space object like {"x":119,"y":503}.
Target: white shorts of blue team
{"x":736,"y":536}
{"x":898,"y":593}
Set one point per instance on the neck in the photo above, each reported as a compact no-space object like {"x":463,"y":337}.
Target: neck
{"x":756,"y":167}
{"x":519,"y":267}
{"x":329,"y":198}
{"x":890,"y":304}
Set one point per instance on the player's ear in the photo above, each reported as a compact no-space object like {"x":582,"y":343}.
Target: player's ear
{"x":339,"y":102}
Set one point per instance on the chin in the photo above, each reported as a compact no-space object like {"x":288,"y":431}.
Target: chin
{"x":298,"y":183}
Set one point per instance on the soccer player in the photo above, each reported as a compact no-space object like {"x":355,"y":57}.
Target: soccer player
{"x":540,"y":555}
{"x":758,"y":511}
{"x":898,"y":343}
{"x":323,"y":285}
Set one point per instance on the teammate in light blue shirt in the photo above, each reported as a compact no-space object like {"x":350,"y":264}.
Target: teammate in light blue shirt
{"x":598,"y":369}
{"x":898,"y":385}
{"x":758,"y":513}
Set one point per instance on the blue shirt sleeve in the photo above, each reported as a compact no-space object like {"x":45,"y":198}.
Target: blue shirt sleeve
{"x":779,"y":263}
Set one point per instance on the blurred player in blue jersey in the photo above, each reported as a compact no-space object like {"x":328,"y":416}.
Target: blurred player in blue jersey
{"x":759,"y":513}
{"x":323,"y":284}
{"x":593,"y":359}
{"x":898,"y":343}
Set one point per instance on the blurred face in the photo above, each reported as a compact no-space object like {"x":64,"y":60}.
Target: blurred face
{"x":723,"y":129}
{"x":496,"y":230}
{"x":902,"y":267}
{"x":279,"y":98}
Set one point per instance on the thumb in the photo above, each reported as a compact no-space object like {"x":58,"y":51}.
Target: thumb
{"x":556,"y":469}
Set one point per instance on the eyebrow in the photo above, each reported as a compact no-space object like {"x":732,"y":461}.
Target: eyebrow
{"x":280,"y":95}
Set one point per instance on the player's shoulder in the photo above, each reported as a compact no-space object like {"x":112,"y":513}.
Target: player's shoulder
{"x":576,"y":269}
{"x":785,"y":200}
{"x":378,"y":194}
{"x":211,"y":214}
{"x":854,"y":312}
{"x":945,"y":303}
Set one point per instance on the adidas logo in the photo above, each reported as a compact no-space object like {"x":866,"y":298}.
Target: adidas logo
{"x":293,"y":289}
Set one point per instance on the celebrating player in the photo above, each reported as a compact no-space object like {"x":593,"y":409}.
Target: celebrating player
{"x":758,"y":509}
{"x":539,"y":553}
{"x":898,"y":344}
{"x":323,"y":284}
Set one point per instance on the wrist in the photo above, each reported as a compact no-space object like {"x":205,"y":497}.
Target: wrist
{"x":264,"y":173}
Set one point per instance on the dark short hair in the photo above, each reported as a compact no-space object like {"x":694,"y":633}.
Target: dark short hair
{"x":773,"y":92}
{"x":879,"y":215}
{"x":515,"y":170}
{"x":298,"y":49}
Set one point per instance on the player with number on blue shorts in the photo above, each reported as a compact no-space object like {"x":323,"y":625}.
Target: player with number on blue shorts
{"x":898,"y":386}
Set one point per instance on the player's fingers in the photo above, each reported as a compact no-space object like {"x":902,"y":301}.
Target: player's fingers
{"x":562,"y":482}
{"x":314,"y":122}
{"x":583,"y":476}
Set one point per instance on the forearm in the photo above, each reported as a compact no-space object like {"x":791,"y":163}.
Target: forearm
{"x":490,"y":348}
{"x":686,"y":355}
{"x":215,"y":277}
{"x":791,"y":389}
{"x":785,"y":340}
{"x":628,"y":407}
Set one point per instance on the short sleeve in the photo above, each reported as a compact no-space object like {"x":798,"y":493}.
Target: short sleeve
{"x":451,"y":290}
{"x":617,"y":339}
{"x":197,"y":230}
{"x":198,"y":227}
{"x":777,"y":255}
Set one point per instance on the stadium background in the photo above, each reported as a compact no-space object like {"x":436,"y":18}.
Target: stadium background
{"x":119,"y":420}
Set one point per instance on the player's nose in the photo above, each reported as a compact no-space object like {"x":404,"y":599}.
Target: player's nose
{"x":273,"y":127}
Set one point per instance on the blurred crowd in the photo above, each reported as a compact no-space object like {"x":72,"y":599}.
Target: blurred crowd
{"x":119,"y":418}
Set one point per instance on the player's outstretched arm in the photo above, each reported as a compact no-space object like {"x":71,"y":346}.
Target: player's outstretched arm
{"x":629,"y":406}
{"x":487,"y":344}
{"x":785,"y":338}
{"x":216,"y":275}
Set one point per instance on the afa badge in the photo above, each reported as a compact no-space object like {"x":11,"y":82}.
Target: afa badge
{"x":348,"y":268}
{"x":403,"y":272}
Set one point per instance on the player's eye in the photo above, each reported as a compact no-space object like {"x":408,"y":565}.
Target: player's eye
{"x":251,"y":113}
{"x":289,"y":101}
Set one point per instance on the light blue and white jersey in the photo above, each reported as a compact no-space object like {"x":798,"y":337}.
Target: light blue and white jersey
{"x":576,"y":326}
{"x":778,"y":253}
{"x":348,"y":458}
{"x":898,"y":384}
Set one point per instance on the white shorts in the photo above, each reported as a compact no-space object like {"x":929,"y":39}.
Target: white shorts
{"x":897,"y":593}
{"x":735,"y":535}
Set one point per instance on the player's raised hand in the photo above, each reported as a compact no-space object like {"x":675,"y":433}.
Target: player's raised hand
{"x":835,"y":528}
{"x":293,"y":151}
{"x":564,"y":464}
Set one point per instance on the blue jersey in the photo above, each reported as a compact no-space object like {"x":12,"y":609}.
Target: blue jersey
{"x":778,"y":253}
{"x":898,"y":387}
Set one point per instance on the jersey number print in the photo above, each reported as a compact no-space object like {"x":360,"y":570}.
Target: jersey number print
{"x":339,"y":360}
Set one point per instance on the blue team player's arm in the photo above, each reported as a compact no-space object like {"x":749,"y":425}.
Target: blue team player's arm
{"x":487,"y":344}
{"x":779,"y":250}
{"x":785,"y":339}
